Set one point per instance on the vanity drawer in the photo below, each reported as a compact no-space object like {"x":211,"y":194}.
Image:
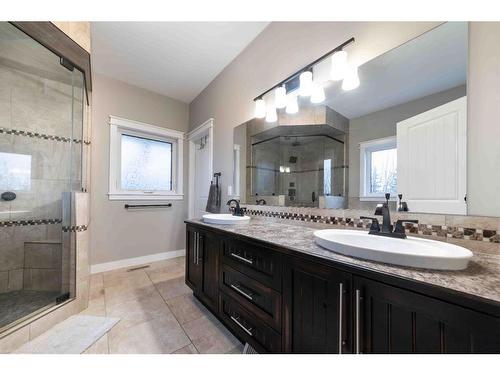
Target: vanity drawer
{"x":259,"y":263}
{"x":248,"y":326}
{"x":262,"y":301}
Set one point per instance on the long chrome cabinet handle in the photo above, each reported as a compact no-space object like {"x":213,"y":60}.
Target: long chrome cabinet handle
{"x":198,"y":250}
{"x":341,"y":318}
{"x":241,"y":258}
{"x":196,"y":244}
{"x":358,"y":333}
{"x":235,"y":287}
{"x":194,"y":247}
{"x":247,"y":330}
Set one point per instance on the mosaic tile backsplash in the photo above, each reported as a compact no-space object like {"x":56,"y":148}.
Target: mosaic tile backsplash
{"x":476,"y":228}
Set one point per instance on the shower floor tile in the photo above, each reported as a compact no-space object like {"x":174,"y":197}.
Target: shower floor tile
{"x":18,"y":304}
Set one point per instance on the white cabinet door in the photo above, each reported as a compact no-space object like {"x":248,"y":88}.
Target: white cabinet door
{"x":432,"y":159}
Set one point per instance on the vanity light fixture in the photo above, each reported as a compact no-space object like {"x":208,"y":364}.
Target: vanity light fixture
{"x":280,"y":97}
{"x":292,"y":105}
{"x":260,"y":108}
{"x":351,"y":79}
{"x":302,"y":81}
{"x":339,"y":65}
{"x":318,"y":94}
{"x":306,"y":83}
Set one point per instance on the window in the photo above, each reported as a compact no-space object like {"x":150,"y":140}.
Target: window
{"x":327,"y":177}
{"x":145,"y":161}
{"x":378,"y":169}
{"x":15,"y":170}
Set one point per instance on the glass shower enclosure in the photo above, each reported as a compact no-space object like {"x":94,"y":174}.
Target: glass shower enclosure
{"x":298,"y":169}
{"x":41,"y":140}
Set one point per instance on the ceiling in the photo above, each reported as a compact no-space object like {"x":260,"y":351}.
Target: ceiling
{"x":434,"y":62}
{"x":176,"y":59}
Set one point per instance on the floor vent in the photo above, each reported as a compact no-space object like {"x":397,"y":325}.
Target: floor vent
{"x":249,"y":349}
{"x":137,"y":268}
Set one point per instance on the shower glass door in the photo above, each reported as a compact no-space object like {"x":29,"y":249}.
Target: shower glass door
{"x":41,"y":129}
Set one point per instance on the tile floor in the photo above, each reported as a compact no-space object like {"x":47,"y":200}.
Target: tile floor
{"x":158,"y":313}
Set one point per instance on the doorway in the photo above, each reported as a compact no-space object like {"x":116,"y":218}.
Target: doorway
{"x":200,"y":167}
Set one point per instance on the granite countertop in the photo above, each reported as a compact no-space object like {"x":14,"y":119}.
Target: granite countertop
{"x":481,"y":278}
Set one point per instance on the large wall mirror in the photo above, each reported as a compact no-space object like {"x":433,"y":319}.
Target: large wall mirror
{"x":402,"y":131}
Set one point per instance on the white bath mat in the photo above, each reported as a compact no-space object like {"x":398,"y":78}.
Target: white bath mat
{"x":71,"y":336}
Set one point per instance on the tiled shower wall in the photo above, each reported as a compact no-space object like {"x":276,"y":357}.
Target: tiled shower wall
{"x":37,"y":119}
{"x":80,"y":32}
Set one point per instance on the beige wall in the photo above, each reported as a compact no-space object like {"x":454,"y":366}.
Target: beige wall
{"x":78,"y":31}
{"x":483,"y":138}
{"x":382,"y":124}
{"x":117,"y":233}
{"x":281,"y":49}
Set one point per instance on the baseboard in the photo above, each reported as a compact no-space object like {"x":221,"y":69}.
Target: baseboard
{"x":109,"y":266}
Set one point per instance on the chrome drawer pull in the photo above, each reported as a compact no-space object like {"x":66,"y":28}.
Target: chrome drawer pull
{"x":236,"y":287}
{"x":247,"y":330}
{"x":241,"y":258}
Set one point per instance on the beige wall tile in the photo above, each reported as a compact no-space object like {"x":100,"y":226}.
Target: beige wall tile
{"x":78,"y":31}
{"x":16,"y":279}
{"x":4,"y":281}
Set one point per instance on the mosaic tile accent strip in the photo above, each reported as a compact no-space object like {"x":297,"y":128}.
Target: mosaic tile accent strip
{"x":21,"y":223}
{"x":48,"y":137}
{"x":422,"y":229}
{"x":75,"y":228}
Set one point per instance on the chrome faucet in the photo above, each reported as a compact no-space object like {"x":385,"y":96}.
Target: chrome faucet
{"x":236,"y":210}
{"x":387,"y":227}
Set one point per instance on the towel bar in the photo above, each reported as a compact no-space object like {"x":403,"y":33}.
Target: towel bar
{"x":127,"y":206}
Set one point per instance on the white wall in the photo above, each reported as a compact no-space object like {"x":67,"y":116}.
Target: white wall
{"x":483,"y":138}
{"x":116,"y":233}
{"x":281,"y":49}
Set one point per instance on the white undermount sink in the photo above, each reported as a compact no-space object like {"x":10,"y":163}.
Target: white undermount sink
{"x":410,"y":252}
{"x":225,"y":219}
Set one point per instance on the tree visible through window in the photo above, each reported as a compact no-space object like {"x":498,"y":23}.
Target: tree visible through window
{"x":383,"y":172}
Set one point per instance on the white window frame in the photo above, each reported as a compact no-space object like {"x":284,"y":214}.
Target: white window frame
{"x":119,"y":126}
{"x":365,"y":150}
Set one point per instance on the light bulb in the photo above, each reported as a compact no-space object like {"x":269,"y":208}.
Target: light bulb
{"x":271,"y":115}
{"x":306,"y":83}
{"x":292,"y":106}
{"x":339,"y":65}
{"x":351,"y":79}
{"x":287,"y":169}
{"x":282,"y":169}
{"x":280,"y":97}
{"x":318,"y":94}
{"x":260,"y":108}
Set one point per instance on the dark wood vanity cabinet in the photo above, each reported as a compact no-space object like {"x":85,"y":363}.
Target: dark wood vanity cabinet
{"x":202,"y":265}
{"x":317,"y":308}
{"x":393,"y":320}
{"x":279,"y":301}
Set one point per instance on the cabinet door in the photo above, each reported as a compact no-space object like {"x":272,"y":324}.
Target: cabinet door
{"x":392,"y":320}
{"x":316,"y":309}
{"x":209,"y":257}
{"x":194,"y":267}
